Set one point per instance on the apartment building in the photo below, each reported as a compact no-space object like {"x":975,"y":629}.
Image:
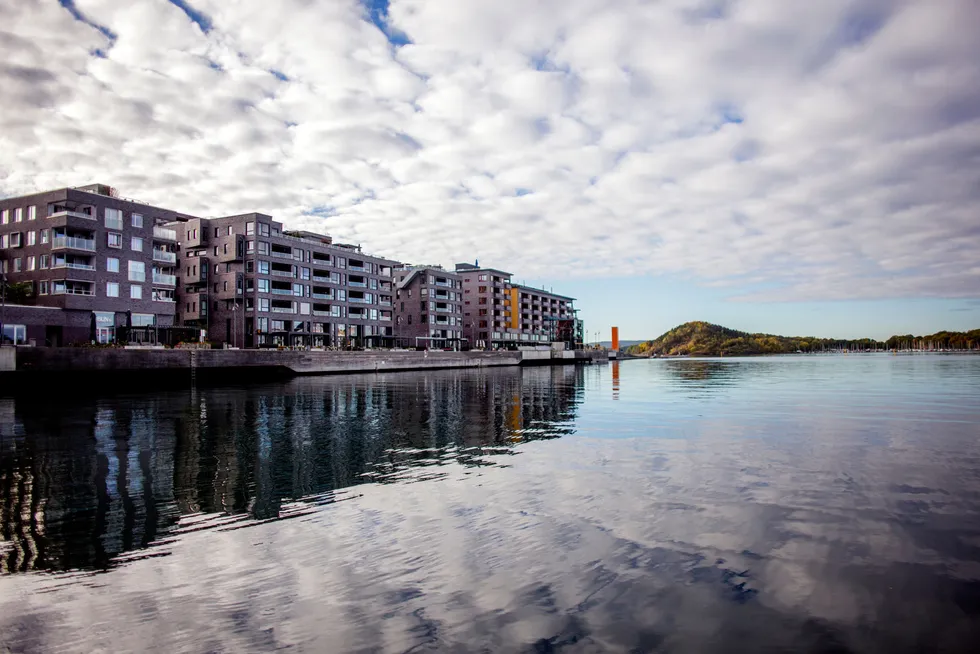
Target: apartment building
{"x":249,"y":283}
{"x":428,"y":307}
{"x":498,"y":313}
{"x":106,"y":262}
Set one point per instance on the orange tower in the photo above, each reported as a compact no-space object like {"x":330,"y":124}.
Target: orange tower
{"x":615,"y":339}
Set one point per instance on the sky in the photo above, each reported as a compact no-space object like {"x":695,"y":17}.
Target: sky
{"x":792,"y":167}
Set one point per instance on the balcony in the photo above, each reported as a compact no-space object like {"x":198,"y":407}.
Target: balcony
{"x":322,"y":296}
{"x":72,"y":265}
{"x":163,"y":296}
{"x":73,"y":288}
{"x":73,"y":243}
{"x":65,"y":213}
{"x":164,"y":256}
{"x":282,"y":310}
{"x":281,"y":255}
{"x":283,"y":273}
{"x":164,"y":279}
{"x":366,"y":268}
{"x":324,"y":313}
{"x":164,"y":234}
{"x":359,"y":300}
{"x":282,"y":291}
{"x":444,"y":283}
{"x":357,"y":284}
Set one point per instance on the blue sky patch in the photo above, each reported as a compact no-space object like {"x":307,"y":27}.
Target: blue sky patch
{"x":69,"y":5}
{"x":378,"y":15}
{"x":199,"y":19}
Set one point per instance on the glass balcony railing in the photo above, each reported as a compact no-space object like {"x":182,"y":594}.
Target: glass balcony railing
{"x":164,"y":279}
{"x":164,"y":256}
{"x":73,"y":243}
{"x":164,"y":234}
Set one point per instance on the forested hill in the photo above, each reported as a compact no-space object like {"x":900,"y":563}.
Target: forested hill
{"x":706,"y":339}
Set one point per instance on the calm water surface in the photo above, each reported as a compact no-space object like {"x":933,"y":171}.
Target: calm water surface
{"x":822,"y":504}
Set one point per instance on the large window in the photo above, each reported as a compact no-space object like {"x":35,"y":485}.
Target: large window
{"x":112,"y":289}
{"x":113,"y":219}
{"x":137,"y":220}
{"x":15,"y":334}
{"x":137,"y":271}
{"x":136,"y":243}
{"x":112,"y":264}
{"x":114,"y":240}
{"x":263,"y":285}
{"x":264,"y":267}
{"x":135,"y":292}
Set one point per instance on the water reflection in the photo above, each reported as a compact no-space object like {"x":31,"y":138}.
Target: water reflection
{"x":81,"y":485}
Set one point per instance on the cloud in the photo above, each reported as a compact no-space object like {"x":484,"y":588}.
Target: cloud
{"x":824,"y":151}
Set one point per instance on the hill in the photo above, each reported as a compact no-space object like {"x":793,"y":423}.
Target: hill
{"x":705,"y":339}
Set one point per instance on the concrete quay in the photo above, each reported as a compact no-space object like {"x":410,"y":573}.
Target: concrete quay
{"x":52,"y":363}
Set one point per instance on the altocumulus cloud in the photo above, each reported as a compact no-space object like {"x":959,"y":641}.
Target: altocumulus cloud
{"x":816,"y":150}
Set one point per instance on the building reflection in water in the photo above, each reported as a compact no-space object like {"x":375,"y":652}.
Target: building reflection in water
{"x":80,"y":485}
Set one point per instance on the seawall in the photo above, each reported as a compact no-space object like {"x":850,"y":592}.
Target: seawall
{"x":53,"y":364}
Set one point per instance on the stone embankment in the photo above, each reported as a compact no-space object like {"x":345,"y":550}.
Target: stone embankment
{"x":53,"y":364}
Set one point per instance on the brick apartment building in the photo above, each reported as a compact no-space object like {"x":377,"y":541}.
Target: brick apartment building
{"x":101,"y":268}
{"x":428,"y":307}
{"x":498,"y":313}
{"x":250,"y":283}
{"x":95,"y":263}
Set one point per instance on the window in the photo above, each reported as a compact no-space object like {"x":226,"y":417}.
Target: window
{"x":5,"y":217}
{"x":45,"y":261}
{"x":228,"y":230}
{"x":249,"y":266}
{"x":15,"y":240}
{"x":136,"y":244}
{"x":263,"y":229}
{"x":137,"y":220}
{"x":263,"y":285}
{"x":17,"y":264}
{"x":44,"y":236}
{"x":114,"y":240}
{"x":42,"y":287}
{"x":249,"y":229}
{"x":143,"y":319}
{"x":113,"y":219}
{"x":224,"y":286}
{"x":18,"y":215}
{"x":483,"y":278}
{"x":249,"y":247}
{"x":304,"y":273}
{"x":31,"y":262}
{"x":16,"y":334}
{"x":263,"y":304}
{"x":264,"y":247}
{"x":137,"y":271}
{"x":32,"y":213}
{"x":32,"y":238}
{"x":216,"y":232}
{"x":112,"y":264}
{"x":112,"y":289}
{"x":264,"y":267}
{"x":135,"y":292}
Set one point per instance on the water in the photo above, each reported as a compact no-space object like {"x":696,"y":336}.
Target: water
{"x":824,"y":504}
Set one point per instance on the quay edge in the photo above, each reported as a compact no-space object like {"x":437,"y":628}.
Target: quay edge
{"x":24,"y":365}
